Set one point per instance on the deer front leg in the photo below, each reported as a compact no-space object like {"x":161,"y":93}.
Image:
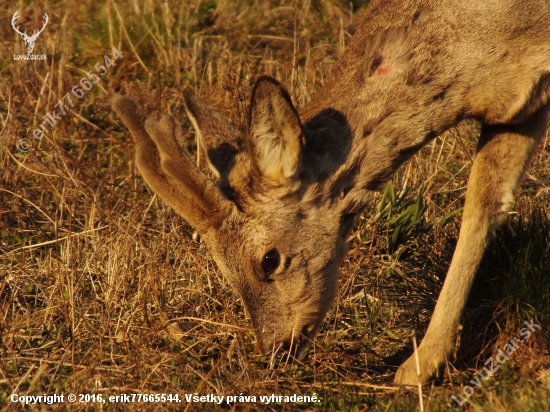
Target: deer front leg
{"x":503,"y":154}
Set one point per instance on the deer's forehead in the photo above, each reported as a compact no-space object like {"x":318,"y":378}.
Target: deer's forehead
{"x":276,"y":217}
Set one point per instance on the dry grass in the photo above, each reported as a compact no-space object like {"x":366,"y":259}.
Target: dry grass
{"x":102,"y":289}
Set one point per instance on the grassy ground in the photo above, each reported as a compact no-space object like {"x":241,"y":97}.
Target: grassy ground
{"x":103,"y":291}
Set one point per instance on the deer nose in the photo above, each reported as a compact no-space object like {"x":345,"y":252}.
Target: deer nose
{"x":296,"y":345}
{"x":308,"y":329}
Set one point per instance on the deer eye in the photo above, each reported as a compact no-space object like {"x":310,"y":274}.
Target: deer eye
{"x":270,"y":262}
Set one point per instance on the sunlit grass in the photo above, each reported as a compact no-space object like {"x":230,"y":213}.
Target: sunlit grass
{"x":102,"y":289}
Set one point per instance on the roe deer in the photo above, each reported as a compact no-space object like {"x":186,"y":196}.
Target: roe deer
{"x":287,"y":192}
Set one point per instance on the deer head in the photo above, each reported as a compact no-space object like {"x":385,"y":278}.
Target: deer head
{"x":277,"y":219}
{"x":29,"y":40}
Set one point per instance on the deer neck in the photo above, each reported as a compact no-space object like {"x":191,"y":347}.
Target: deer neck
{"x":383,"y":116}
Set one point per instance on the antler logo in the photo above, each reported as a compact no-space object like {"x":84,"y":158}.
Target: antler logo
{"x":29,"y":40}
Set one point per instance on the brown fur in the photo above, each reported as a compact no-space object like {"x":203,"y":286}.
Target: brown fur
{"x":297,"y":180}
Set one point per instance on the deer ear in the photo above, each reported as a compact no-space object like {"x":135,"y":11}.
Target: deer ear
{"x":275,"y":135}
{"x":218,"y":139}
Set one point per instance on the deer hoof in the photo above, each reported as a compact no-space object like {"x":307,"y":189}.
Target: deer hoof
{"x":430,"y":364}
